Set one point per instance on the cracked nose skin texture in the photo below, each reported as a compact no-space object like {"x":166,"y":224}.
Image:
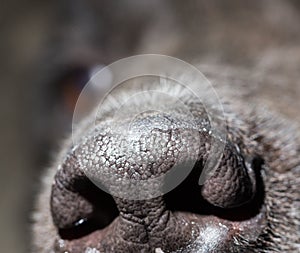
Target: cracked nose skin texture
{"x":154,"y":143}
{"x":141,"y":224}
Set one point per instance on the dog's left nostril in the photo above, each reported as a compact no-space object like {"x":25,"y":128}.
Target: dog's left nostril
{"x":233,"y":183}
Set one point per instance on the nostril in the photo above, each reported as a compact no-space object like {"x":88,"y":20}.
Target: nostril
{"x":104,"y":212}
{"x":104,"y":207}
{"x":187,"y":197}
{"x":78,"y":207}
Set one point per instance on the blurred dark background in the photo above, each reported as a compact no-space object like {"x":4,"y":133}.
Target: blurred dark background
{"x":48,"y":49}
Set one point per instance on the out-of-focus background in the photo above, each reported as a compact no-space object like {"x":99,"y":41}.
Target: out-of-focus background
{"x":49,"y":48}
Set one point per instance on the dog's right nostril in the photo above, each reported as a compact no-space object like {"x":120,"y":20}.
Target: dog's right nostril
{"x":78,"y":206}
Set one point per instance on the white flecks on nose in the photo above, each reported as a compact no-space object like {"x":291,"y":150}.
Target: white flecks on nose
{"x":208,"y":240}
{"x":158,"y":250}
{"x":91,"y":250}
